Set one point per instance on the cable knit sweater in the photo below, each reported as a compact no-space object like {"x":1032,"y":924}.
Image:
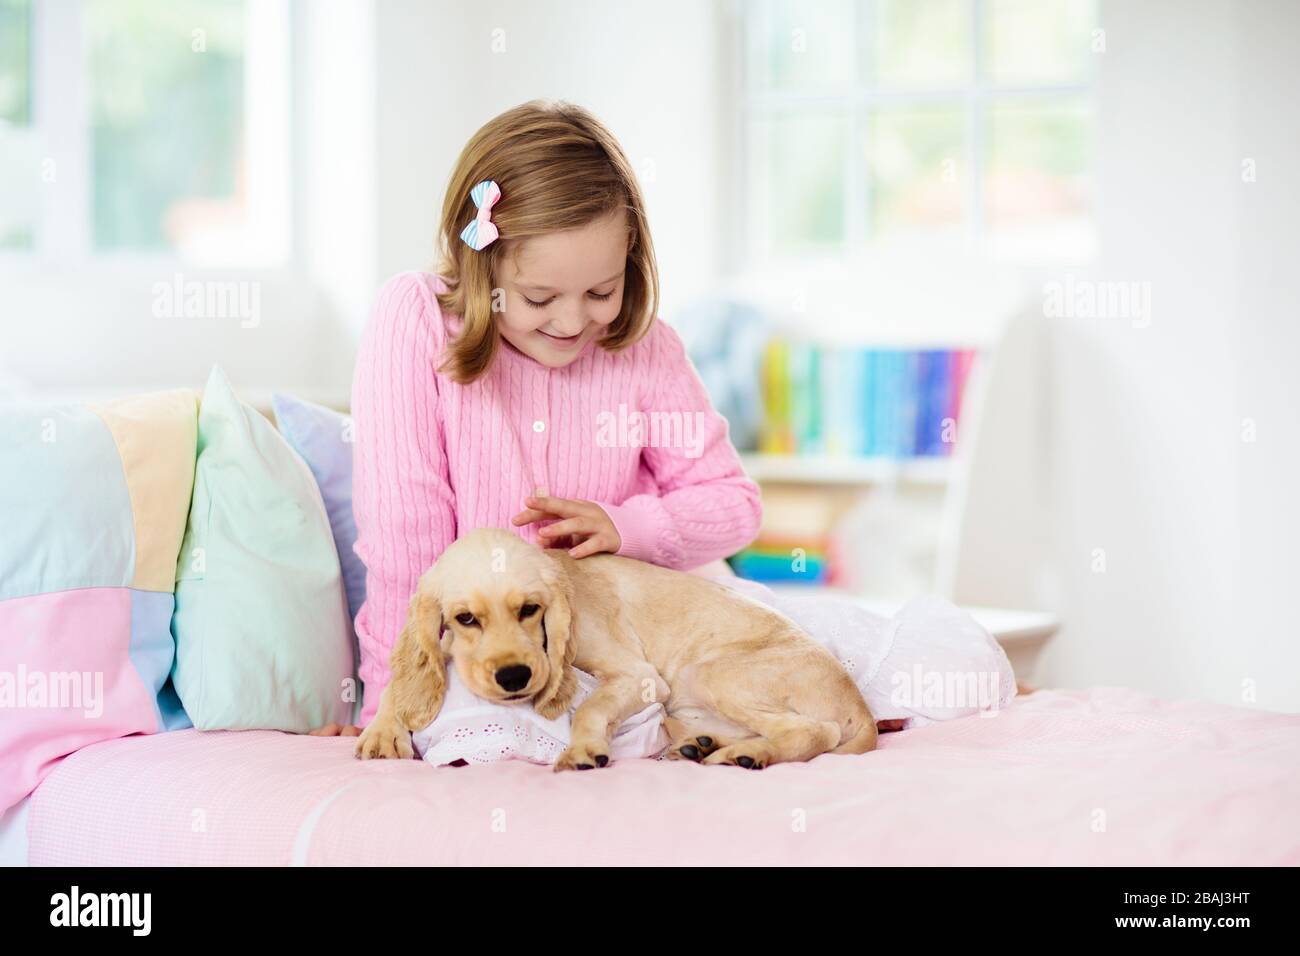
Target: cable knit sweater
{"x":434,"y":459}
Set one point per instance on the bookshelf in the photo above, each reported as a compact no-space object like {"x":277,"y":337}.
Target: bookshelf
{"x":856,"y":456}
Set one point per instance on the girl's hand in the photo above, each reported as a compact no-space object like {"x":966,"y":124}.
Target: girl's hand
{"x":581,"y":526}
{"x":335,"y":730}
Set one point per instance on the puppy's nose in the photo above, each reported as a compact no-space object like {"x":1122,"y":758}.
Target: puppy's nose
{"x":515,"y":677}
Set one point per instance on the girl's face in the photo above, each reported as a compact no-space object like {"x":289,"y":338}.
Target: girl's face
{"x":563,"y":289}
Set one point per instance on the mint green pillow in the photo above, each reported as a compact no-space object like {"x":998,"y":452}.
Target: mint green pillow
{"x":261,"y":620}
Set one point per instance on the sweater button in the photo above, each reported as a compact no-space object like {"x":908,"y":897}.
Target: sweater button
{"x":539,"y":426}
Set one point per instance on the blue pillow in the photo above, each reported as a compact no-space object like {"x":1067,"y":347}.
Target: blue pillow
{"x":323,"y":437}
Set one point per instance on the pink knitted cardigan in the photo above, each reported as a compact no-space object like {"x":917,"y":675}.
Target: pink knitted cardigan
{"x":632,"y":431}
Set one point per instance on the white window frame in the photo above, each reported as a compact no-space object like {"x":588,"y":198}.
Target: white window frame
{"x":975,"y":97}
{"x":63,"y":232}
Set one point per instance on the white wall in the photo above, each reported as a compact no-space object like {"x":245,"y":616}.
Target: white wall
{"x":69,"y":332}
{"x":335,"y":160}
{"x":1266,"y":635}
{"x":1150,"y":473}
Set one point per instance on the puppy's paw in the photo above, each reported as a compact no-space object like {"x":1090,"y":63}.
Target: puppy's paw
{"x":695,"y":747}
{"x":752,"y":754}
{"x":583,"y":756}
{"x":384,"y":740}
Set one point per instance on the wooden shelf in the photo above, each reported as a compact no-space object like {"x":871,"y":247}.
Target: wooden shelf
{"x":846,"y":469}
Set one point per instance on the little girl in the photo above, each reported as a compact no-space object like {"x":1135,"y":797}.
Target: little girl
{"x":492,"y":394}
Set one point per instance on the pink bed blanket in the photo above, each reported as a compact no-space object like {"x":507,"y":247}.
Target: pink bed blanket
{"x":1103,"y":776}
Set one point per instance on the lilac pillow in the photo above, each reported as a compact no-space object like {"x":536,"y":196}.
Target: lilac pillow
{"x":323,"y":437}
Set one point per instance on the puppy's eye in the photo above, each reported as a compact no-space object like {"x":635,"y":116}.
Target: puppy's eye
{"x":527,"y":611}
{"x":466,"y":620}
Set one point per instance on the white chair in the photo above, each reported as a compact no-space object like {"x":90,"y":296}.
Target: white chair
{"x":993,"y":552}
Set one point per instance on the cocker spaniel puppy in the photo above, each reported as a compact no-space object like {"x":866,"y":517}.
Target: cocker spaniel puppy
{"x":741,"y":684}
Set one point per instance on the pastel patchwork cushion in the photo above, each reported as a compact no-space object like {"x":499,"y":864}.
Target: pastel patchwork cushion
{"x":93,"y":503}
{"x":263,"y":637}
{"x":323,"y":437}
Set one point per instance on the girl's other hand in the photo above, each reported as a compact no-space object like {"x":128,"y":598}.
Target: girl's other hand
{"x":582,"y":527}
{"x":335,"y":730}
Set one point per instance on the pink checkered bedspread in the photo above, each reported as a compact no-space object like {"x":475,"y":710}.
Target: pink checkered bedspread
{"x":1061,"y":777}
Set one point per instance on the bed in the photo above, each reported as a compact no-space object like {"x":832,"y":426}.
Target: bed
{"x":1095,"y":777}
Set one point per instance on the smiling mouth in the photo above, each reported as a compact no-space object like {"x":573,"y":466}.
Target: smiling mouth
{"x":562,"y":339}
{"x":516,"y":696}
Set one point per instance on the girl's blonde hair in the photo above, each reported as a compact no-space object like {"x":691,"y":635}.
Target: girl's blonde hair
{"x":558,"y":168}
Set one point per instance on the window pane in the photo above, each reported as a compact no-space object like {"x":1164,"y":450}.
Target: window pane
{"x":1039,"y":41}
{"x":1037,"y":182}
{"x":166,"y":91}
{"x":921,"y":44}
{"x":799,"y":174}
{"x":804,"y":46}
{"x":18,"y":159}
{"x":15,"y":61}
{"x":916,"y":162}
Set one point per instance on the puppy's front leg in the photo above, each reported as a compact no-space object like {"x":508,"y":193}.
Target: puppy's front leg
{"x":385,"y":737}
{"x":415,"y":692}
{"x":601,"y":714}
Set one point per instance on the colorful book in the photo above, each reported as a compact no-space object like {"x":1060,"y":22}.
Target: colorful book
{"x":887,"y":389}
{"x":775,"y":436}
{"x":836,"y":436}
{"x":894,"y":403}
{"x":934,"y":382}
{"x":803,"y":362}
{"x":961,"y":363}
{"x":842,"y":374}
{"x":863,"y":364}
{"x":759,"y":566}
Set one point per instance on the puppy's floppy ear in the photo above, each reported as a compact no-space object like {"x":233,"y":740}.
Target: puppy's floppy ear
{"x":557,"y":624}
{"x":419,"y":673}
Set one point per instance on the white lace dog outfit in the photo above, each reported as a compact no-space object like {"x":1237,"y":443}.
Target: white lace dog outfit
{"x":474,"y":730}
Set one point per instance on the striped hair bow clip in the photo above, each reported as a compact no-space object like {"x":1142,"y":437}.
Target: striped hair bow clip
{"x":482,"y":232}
